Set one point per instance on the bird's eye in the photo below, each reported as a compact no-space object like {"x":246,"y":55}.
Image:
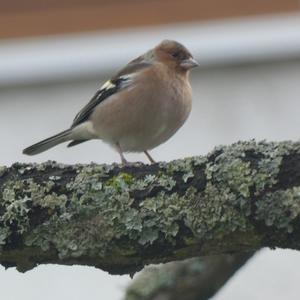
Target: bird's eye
{"x":175,"y":55}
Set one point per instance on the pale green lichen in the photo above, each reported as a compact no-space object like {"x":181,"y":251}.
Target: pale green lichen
{"x":143,"y":183}
{"x":187,"y":176}
{"x":54,"y":178}
{"x":95,"y":210}
{"x":165,"y":181}
{"x":110,"y":202}
{"x":151,"y":181}
{"x":4,"y":233}
{"x":208,"y":219}
{"x":16,"y":208}
{"x":185,"y":167}
{"x":161,"y":214}
{"x":279,"y":208}
{"x":102,"y":212}
{"x":16,"y":212}
{"x":231,"y":171}
{"x":3,"y":170}
{"x":230,"y":181}
{"x":180,"y":165}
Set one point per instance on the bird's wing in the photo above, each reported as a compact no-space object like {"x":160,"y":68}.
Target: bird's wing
{"x":118,"y":83}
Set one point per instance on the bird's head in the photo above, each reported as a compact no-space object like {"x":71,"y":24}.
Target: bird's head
{"x":175,"y":54}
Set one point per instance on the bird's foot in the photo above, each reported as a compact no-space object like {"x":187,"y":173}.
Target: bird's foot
{"x":149,"y":157}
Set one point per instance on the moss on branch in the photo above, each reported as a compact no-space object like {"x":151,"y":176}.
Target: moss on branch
{"x":237,"y":198}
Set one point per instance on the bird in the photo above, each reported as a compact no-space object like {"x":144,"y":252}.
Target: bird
{"x":139,"y":108}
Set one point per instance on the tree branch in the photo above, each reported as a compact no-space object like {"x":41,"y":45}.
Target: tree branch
{"x":191,"y":279}
{"x":237,"y":198}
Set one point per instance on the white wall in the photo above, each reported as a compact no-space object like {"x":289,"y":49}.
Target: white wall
{"x":242,"y":102}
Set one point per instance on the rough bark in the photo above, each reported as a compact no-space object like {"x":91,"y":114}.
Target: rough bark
{"x":237,"y":198}
{"x":191,"y":279}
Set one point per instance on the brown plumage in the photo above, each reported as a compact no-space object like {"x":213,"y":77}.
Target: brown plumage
{"x":141,"y":107}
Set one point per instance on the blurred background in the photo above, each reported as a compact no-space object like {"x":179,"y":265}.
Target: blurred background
{"x":55,"y":54}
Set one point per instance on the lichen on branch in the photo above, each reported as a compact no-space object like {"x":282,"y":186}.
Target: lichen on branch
{"x":196,"y":278}
{"x":119,"y":218}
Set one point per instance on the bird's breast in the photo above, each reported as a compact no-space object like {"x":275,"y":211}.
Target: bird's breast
{"x":144,"y":116}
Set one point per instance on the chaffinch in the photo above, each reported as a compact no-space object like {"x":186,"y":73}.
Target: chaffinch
{"x":139,"y":108}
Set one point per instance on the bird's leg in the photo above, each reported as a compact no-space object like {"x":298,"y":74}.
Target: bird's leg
{"x":123,"y":159}
{"x":149,"y":157}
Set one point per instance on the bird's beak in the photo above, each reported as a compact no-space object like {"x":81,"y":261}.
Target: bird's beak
{"x":189,"y":63}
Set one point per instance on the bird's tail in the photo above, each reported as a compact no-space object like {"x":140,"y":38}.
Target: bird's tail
{"x":49,"y":143}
